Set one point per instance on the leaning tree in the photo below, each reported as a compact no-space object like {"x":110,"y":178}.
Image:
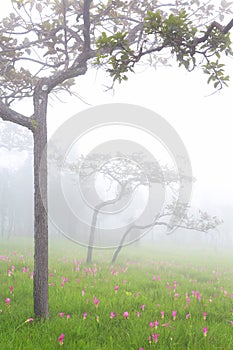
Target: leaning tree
{"x":123,"y":185}
{"x":45,"y":44}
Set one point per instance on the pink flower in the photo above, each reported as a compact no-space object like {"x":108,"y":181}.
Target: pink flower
{"x":68,"y":316}
{"x":126,"y":314}
{"x":154,"y":278}
{"x":61,"y":314}
{"x":165,"y":324}
{"x":155,"y":337}
{"x":116,"y":288}
{"x":7,"y":301}
{"x":83,"y":292}
{"x":29,"y":320}
{"x":204,"y":315}
{"x":11,"y":289}
{"x":61,"y":339}
{"x":174,"y":313}
{"x":187,"y":316}
{"x":85,"y":315}
{"x":156,"y":323}
{"x":96,"y":301}
{"x":24,"y":269}
{"x":176,"y":295}
{"x":143,"y":307}
{"x":205,"y":331}
{"x":231,"y":322}
{"x":162,"y":314}
{"x":151,"y":324}
{"x":138,"y":314}
{"x":112,"y":314}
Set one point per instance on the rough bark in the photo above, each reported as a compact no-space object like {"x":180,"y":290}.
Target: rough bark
{"x":40,"y":206}
{"x":9,"y":114}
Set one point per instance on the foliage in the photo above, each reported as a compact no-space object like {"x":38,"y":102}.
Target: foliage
{"x":176,"y":32}
{"x":51,"y":35}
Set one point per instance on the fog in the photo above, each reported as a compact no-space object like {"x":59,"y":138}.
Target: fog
{"x":202,"y":119}
{"x":16,"y":193}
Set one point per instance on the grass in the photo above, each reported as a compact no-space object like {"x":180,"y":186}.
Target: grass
{"x":159,"y":279}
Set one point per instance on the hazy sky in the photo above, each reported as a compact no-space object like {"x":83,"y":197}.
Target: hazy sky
{"x":203,"y":122}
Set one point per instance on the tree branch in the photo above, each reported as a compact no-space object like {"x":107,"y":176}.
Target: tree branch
{"x":86,"y":24}
{"x":10,"y":115}
{"x":79,"y":67}
{"x":222,"y":29}
{"x":65,"y":34}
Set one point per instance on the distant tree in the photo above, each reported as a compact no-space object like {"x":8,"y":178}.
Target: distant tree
{"x":121,"y":177}
{"x":202,"y":223}
{"x":16,"y":180}
{"x":45,"y":44}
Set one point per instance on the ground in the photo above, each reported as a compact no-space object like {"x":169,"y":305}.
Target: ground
{"x":154,"y":297}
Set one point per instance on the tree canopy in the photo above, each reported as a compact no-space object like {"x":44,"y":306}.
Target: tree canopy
{"x":58,"y":40}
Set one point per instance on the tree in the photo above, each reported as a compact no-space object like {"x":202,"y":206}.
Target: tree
{"x":45,"y":44}
{"x":203,"y":223}
{"x":123,"y":176}
{"x":119,"y":177}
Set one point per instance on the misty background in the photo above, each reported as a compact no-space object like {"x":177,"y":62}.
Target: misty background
{"x":203,"y":120}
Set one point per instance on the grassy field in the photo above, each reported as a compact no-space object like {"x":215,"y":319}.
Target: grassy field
{"x":152,"y":298}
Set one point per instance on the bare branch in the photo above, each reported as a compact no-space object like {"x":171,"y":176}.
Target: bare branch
{"x":10,"y":115}
{"x":79,"y":67}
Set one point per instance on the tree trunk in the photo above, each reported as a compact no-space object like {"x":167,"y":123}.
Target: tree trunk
{"x":40,"y":209}
{"x":117,"y":251}
{"x":93,"y":223}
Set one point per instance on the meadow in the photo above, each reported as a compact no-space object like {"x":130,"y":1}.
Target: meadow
{"x":153,"y":297}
